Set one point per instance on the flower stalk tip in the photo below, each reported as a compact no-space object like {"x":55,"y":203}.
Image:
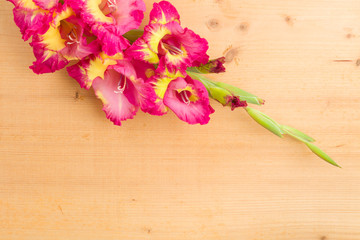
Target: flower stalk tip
{"x":280,"y":130}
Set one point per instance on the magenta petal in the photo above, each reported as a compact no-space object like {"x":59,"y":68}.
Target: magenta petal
{"x":28,"y":4}
{"x":31,"y":22}
{"x":79,"y":73}
{"x":138,"y":73}
{"x":194,"y":46}
{"x":126,"y":69}
{"x":49,"y":65}
{"x":46,"y":4}
{"x":109,"y":20}
{"x":179,"y":48}
{"x":192,"y":111}
{"x":46,"y":60}
{"x":112,"y":42}
{"x":128,"y":15}
{"x":140,"y":50}
{"x":164,"y":12}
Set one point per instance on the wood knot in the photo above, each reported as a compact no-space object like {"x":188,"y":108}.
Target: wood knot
{"x":350,"y":35}
{"x":358,"y":62}
{"x":289,"y":20}
{"x":244,"y":26}
{"x":213,"y":24}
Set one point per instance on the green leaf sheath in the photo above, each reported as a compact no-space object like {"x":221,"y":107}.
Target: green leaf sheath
{"x":279,"y":130}
{"x":215,"y":92}
{"x":194,"y":70}
{"x":265,"y":121}
{"x":320,"y":153}
{"x":243,"y":95}
{"x":297,"y":134}
{"x":133,"y":35}
{"x":218,"y":90}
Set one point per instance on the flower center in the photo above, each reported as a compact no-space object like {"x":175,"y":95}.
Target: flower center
{"x":68,"y":32}
{"x":184,"y":96}
{"x":108,"y":6}
{"x":173,"y":50}
{"x":170,"y":44}
{"x":121,"y":85}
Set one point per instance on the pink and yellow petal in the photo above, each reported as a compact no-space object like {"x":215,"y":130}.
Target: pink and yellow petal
{"x":137,"y":73}
{"x":122,"y":15}
{"x":146,"y":47}
{"x":91,"y":12}
{"x":31,"y":22}
{"x":101,"y":63}
{"x":164,"y":12}
{"x":89,"y":69}
{"x":147,"y":95}
{"x":128,"y":15}
{"x":52,"y":39}
{"x":140,"y":50}
{"x":186,"y":98}
{"x":153,"y":34}
{"x":111,"y":41}
{"x":192,"y":48}
{"x":47,"y":61}
{"x":80,"y":50}
{"x":50,"y":59}
{"x":163,"y":78}
{"x":116,"y":105}
{"x":27,"y":4}
{"x":46,"y":4}
{"x":160,"y":83}
{"x":180,"y":61}
{"x":79,"y":73}
{"x":109,"y":20}
{"x":143,"y":70}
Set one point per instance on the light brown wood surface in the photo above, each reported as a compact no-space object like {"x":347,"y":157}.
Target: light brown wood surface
{"x":66,"y":172}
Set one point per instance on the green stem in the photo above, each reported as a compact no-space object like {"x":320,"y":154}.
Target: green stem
{"x":219,"y":91}
{"x":280,"y":130}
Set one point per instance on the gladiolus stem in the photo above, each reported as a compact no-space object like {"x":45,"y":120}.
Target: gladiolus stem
{"x":280,"y":130}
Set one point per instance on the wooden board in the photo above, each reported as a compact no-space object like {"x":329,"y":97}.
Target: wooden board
{"x":67,"y":173}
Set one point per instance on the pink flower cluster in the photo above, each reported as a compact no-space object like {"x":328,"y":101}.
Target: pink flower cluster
{"x":95,"y":39}
{"x":156,"y":69}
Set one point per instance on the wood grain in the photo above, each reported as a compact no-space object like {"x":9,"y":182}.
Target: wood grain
{"x":67,"y":173}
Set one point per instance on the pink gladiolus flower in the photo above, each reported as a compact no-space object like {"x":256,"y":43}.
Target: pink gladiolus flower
{"x":110,"y":19}
{"x":189,"y":100}
{"x":121,"y":84}
{"x":30,"y":16}
{"x":166,"y":42}
{"x":66,"y":39}
{"x":186,"y":97}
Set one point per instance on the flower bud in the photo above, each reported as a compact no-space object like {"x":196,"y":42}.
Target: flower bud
{"x":213,"y":66}
{"x":235,"y":102}
{"x":225,"y":97}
